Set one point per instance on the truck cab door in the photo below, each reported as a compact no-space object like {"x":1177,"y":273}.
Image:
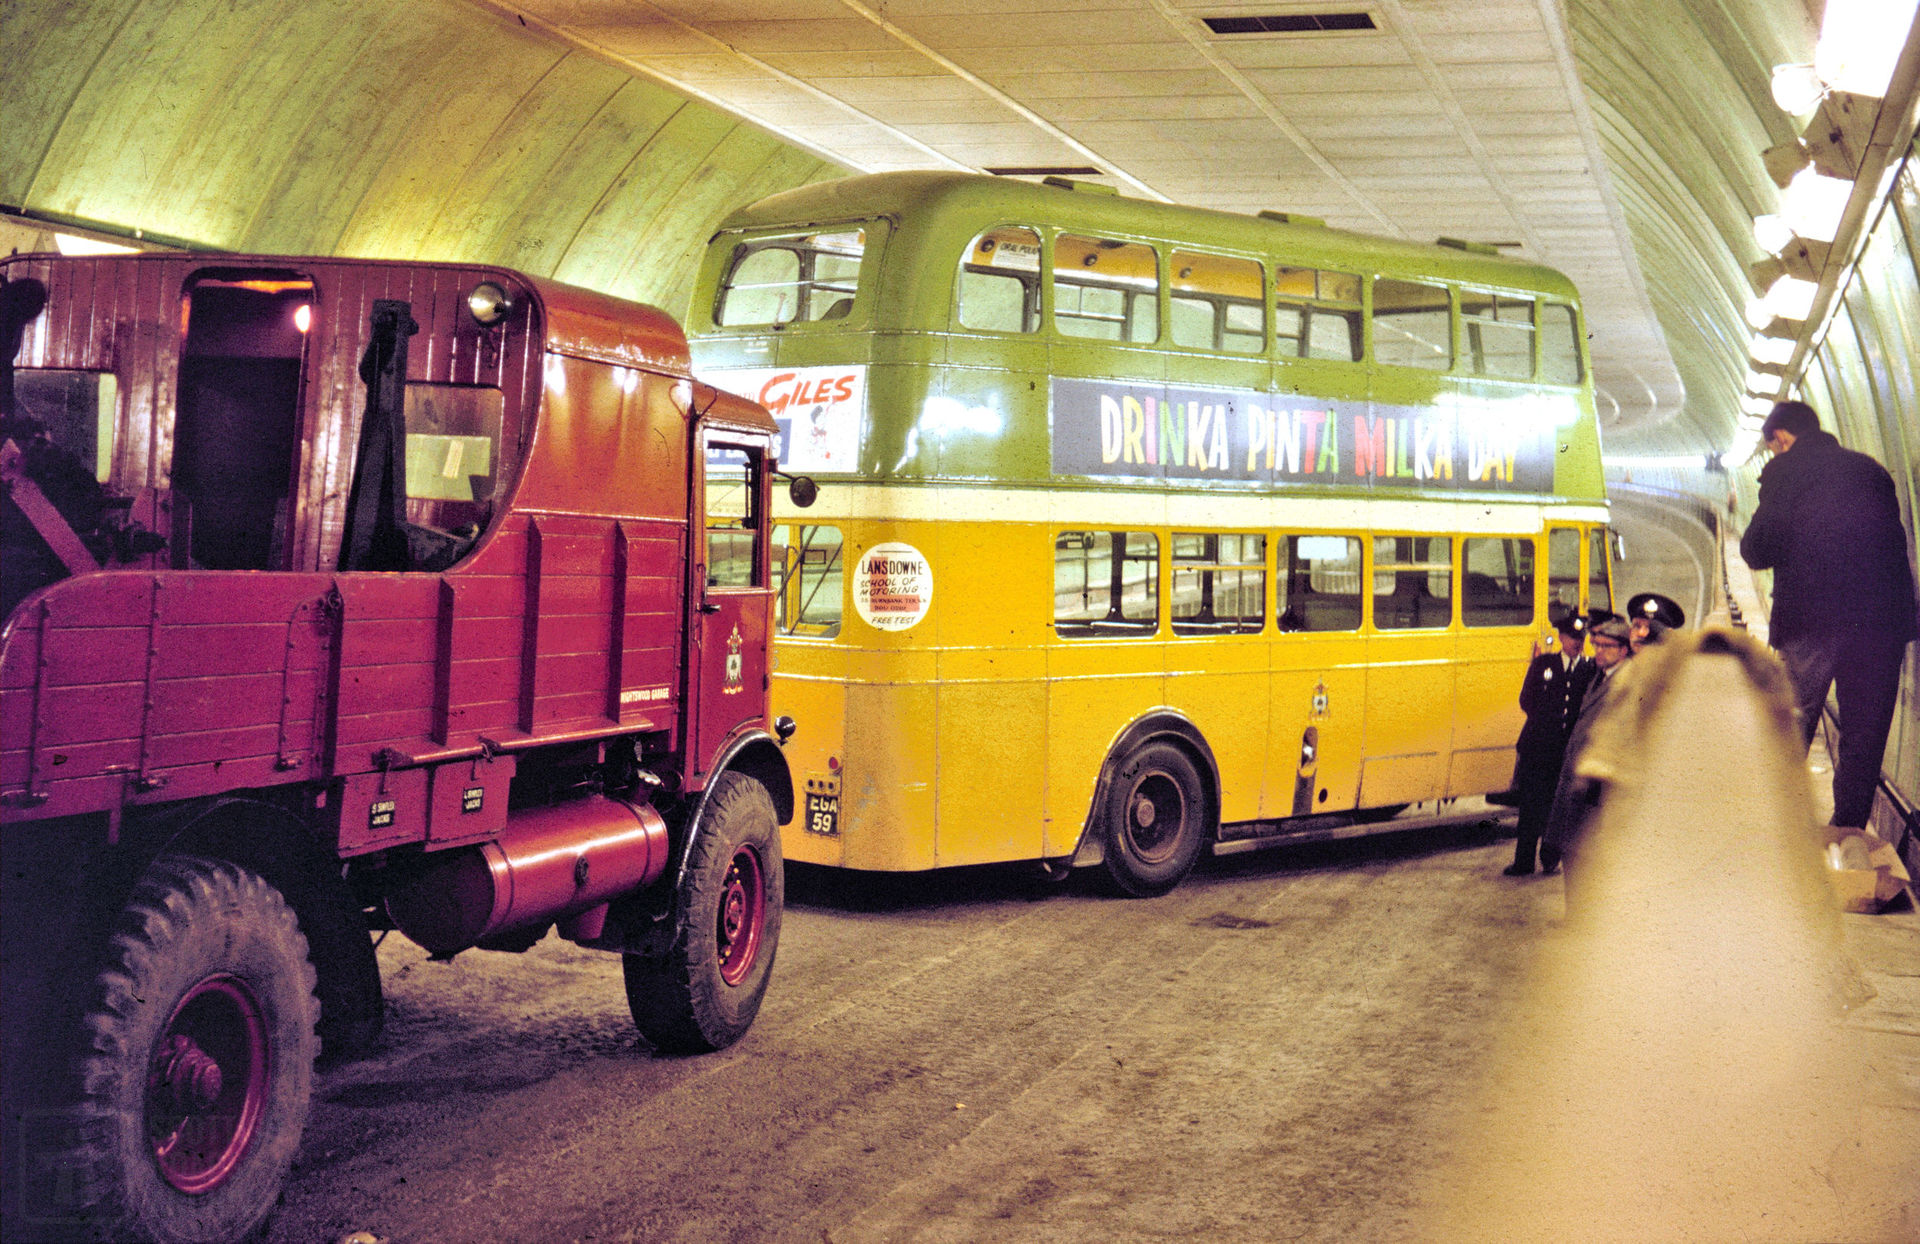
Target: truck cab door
{"x":733,"y":596}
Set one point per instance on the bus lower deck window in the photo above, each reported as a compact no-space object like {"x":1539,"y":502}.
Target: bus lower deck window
{"x":1219,"y":583}
{"x":1412,"y":582}
{"x":1106,"y":583}
{"x":1496,"y":586}
{"x":1317,"y":583}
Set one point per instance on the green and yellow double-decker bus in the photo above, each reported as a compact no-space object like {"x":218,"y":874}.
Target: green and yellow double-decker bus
{"x":1142,"y":526}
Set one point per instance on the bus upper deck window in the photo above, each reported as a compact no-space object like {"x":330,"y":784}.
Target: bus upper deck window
{"x":1497,"y":332}
{"x":999,"y":286}
{"x":1411,"y":326}
{"x":788,"y":280}
{"x":1559,"y":344}
{"x":1316,"y":315}
{"x":1217,"y":303}
{"x":1106,"y":289}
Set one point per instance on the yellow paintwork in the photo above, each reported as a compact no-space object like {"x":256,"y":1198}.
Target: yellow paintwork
{"x":978,"y":736}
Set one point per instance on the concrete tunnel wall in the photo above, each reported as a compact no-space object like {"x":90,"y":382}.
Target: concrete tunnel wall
{"x":426,"y":129}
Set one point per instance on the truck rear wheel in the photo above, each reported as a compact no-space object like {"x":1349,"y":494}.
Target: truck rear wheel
{"x":198,"y":1045}
{"x":1154,"y":820}
{"x":703,"y":993}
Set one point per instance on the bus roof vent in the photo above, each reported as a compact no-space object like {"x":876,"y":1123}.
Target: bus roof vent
{"x":1291,"y":23}
{"x":1472,"y":248}
{"x":1294,"y":218}
{"x":1085,"y":187}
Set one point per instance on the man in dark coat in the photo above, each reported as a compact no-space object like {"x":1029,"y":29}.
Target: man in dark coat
{"x":1828,"y":526}
{"x":1574,"y":798}
{"x":1550,"y":696}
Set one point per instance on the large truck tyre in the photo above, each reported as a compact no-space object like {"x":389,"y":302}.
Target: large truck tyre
{"x":198,"y":1038}
{"x":1154,"y":820}
{"x":702,"y":994}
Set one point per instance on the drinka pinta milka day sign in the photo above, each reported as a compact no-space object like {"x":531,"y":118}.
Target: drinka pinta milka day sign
{"x":1114,"y":430}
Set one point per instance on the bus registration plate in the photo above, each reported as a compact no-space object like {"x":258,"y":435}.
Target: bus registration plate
{"x":823,"y":806}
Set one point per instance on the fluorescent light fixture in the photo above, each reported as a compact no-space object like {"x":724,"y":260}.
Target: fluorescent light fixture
{"x":1797,"y":89}
{"x":1757,"y":407}
{"x":1773,"y":349}
{"x":1759,"y":314}
{"x":1813,"y":204}
{"x":1760,"y":382}
{"x":74,"y":244}
{"x":1773,"y":233}
{"x":1790,"y":298}
{"x":1860,"y":41}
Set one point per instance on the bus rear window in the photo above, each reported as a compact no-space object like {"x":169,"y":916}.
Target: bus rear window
{"x":789,"y":280}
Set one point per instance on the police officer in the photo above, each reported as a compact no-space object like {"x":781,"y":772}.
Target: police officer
{"x":1550,"y":696}
{"x":1650,"y":616}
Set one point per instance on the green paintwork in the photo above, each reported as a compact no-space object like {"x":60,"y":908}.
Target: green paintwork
{"x":901,"y":324}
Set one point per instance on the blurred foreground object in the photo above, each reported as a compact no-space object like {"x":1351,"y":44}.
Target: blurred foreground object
{"x":1678,"y":1070}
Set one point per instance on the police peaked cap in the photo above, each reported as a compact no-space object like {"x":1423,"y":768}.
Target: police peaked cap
{"x":1657,"y":608}
{"x":1571,"y":624}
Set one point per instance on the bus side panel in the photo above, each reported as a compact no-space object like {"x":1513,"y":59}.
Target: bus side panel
{"x":810,"y":685}
{"x":1319,"y":683}
{"x":992,"y":585}
{"x":887,"y":786}
{"x":1221,"y":684}
{"x":1095,"y":688}
{"x":1409,"y":720}
{"x":1487,"y":717}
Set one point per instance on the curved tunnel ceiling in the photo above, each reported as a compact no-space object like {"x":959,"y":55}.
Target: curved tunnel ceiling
{"x":425,"y":129}
{"x":452,"y":128}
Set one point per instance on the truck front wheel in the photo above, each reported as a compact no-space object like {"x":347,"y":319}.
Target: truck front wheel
{"x":198,"y":1040}
{"x":702,"y":994}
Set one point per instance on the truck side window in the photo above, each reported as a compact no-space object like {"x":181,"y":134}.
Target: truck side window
{"x":733,"y":518}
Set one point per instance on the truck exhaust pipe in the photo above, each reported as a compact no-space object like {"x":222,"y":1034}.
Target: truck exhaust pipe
{"x":548,"y":864}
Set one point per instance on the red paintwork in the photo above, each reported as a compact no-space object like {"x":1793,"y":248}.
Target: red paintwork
{"x":573,"y":618}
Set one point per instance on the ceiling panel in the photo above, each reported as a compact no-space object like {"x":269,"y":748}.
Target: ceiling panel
{"x":1464,"y":117}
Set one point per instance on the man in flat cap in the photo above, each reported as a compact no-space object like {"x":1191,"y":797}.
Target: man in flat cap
{"x":1550,"y":696}
{"x":1828,"y":525}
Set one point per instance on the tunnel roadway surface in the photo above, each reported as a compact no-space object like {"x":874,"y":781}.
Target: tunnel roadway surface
{"x":1276,"y":1050}
{"x":1292,"y":1045}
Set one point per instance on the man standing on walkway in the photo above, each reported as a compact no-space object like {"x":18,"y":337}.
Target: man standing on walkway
{"x":1828,"y":526}
{"x":1550,"y":696}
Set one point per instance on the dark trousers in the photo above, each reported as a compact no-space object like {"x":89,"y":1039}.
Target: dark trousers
{"x":1535,"y":803}
{"x":1863,"y":670}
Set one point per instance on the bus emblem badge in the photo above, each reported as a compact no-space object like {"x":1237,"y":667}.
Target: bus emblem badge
{"x":1319,"y":712}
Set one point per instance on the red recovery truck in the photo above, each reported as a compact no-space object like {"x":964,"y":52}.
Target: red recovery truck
{"x":346,"y":595}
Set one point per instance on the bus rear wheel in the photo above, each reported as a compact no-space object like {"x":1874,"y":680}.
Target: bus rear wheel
{"x":1154,"y":821}
{"x":703,"y":993}
{"x":197,"y":1058}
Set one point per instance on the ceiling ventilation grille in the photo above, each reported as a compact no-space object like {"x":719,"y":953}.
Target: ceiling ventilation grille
{"x":1290,"y":23}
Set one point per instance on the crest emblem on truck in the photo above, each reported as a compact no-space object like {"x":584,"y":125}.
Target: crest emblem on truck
{"x":734,"y":665}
